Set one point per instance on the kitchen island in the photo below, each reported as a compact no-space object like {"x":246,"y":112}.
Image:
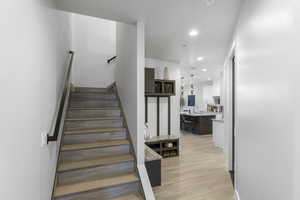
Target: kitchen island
{"x":153,"y":166}
{"x":198,"y":123}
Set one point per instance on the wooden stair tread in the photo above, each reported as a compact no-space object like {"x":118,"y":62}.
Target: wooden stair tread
{"x":73,"y":147}
{"x":95,"y":118}
{"x":134,"y":196}
{"x":91,"y":90}
{"x":95,"y":130}
{"x":96,"y":108}
{"x":64,"y":166}
{"x":85,"y":186}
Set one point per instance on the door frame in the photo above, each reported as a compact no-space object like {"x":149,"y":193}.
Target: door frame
{"x":230,"y":108}
{"x":233,"y":117}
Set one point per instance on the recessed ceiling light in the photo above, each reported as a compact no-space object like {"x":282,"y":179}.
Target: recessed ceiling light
{"x":193,"y":32}
{"x":200,"y":58}
{"x":204,"y":70}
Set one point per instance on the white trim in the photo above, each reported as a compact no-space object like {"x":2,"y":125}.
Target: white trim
{"x":230,"y":52}
{"x":237,"y":196}
{"x":149,"y":195}
{"x":140,"y":73}
{"x":227,"y":101}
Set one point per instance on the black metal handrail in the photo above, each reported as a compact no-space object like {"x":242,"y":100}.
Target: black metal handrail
{"x":62,"y":102}
{"x":111,"y":59}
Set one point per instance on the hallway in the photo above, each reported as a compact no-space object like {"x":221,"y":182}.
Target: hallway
{"x":198,"y":173}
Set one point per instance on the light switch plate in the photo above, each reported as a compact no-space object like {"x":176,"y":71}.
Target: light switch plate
{"x":44,"y":139}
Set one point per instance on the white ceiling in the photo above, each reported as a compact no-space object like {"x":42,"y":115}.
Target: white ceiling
{"x":168,"y":23}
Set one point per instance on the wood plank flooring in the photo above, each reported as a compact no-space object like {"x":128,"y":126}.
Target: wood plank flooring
{"x":199,"y":173}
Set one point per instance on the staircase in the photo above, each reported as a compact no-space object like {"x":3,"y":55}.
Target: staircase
{"x":96,"y":160}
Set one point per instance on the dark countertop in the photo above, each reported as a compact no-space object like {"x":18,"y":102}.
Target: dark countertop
{"x":218,"y":120}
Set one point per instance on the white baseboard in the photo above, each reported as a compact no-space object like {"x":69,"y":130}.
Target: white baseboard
{"x":147,"y":188}
{"x":237,"y":196}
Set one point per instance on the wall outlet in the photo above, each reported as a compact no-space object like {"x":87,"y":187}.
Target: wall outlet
{"x":44,"y":139}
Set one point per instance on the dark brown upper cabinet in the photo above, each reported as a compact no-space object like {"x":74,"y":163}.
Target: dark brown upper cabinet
{"x":149,"y":80}
{"x":158,"y":87}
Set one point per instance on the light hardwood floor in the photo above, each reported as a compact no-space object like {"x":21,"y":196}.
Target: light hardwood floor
{"x":199,"y":173}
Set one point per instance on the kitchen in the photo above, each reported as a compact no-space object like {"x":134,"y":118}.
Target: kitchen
{"x":201,"y":105}
{"x":184,"y":125}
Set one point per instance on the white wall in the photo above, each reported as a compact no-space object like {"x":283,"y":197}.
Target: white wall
{"x":211,"y":89}
{"x":217,"y":86}
{"x":34,"y":42}
{"x":129,"y":75}
{"x":203,"y":90}
{"x":267,"y":150}
{"x":174,"y":74}
{"x":198,"y":91}
{"x":94,"y":41}
{"x":208,"y":94}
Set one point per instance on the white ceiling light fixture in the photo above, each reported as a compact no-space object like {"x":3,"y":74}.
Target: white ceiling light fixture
{"x":200,"y":58}
{"x":209,"y":79}
{"x":204,"y":70}
{"x":193,"y":33}
{"x":209,"y":2}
